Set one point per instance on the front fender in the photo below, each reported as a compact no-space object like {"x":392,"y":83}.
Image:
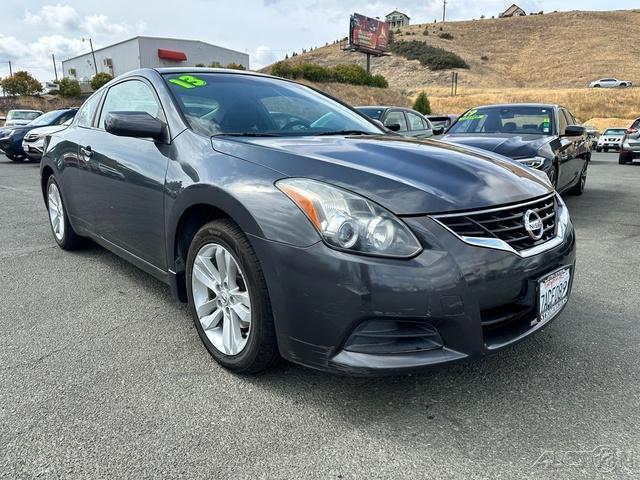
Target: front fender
{"x":238,"y":188}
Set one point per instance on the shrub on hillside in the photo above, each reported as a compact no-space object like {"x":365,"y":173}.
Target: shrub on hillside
{"x":446,"y":35}
{"x":433,"y":57}
{"x":99,"y":79}
{"x":351,"y":74}
{"x":69,"y":88}
{"x":422,"y":104}
{"x":425,"y":32}
{"x":21,"y":83}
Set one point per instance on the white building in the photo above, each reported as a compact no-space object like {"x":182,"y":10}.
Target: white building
{"x":149,"y":52}
{"x":397,"y":19}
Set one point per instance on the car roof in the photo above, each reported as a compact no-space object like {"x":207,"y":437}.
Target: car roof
{"x":24,"y":110}
{"x":542,"y":105}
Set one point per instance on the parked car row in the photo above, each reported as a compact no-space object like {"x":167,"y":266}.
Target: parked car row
{"x":264,"y":204}
{"x":26,"y":142}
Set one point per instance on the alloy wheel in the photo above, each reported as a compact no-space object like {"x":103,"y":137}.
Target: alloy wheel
{"x":221,"y":299}
{"x":56,"y":211}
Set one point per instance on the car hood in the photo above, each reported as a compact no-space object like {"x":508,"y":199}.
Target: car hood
{"x":48,"y":130}
{"x":406,"y":176}
{"x":512,"y":146}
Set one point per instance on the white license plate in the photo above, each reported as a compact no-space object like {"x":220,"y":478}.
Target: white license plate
{"x":553,"y":294}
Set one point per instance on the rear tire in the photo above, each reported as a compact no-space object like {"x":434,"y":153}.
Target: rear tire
{"x":252,"y":346}
{"x":63,"y":232}
{"x":598,"y":149}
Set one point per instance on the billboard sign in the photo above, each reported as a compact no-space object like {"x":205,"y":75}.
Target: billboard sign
{"x":368,"y":35}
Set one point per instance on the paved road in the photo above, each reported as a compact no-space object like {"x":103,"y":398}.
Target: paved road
{"x":104,"y":376}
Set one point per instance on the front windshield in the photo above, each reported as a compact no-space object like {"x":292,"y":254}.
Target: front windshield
{"x":615,"y":131}
{"x":518,"y":120}
{"x":236,"y":104}
{"x":23,"y":115}
{"x":46,"y":119}
{"x":370,"y":112}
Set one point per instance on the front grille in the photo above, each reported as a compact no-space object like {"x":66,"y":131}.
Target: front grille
{"x":505,"y":223}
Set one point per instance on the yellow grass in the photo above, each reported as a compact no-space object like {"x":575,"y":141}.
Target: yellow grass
{"x":620,"y":105}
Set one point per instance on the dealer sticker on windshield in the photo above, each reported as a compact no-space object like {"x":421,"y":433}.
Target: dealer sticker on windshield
{"x":553,"y":294}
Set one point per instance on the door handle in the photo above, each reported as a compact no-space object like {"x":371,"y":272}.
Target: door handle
{"x":86,"y":151}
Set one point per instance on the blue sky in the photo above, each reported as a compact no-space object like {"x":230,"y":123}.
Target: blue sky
{"x":266,"y":29}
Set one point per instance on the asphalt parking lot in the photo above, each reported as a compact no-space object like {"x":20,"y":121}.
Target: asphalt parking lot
{"x":104,"y":376}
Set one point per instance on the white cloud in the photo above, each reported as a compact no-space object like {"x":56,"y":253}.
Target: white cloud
{"x":58,"y":17}
{"x":101,"y":25}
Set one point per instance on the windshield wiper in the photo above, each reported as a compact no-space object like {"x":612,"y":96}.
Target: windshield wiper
{"x":348,"y":132}
{"x":246,"y":134}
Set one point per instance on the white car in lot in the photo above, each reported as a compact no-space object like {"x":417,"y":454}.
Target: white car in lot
{"x":33,"y":141}
{"x":18,"y":118}
{"x":611,"y":139}
{"x":610,"y":83}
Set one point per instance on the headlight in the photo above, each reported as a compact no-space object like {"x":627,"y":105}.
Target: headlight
{"x":535,"y":162}
{"x":347,"y":221}
{"x":563,"y":217}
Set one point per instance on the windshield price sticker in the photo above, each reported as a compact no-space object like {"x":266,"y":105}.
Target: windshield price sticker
{"x":188,"y":81}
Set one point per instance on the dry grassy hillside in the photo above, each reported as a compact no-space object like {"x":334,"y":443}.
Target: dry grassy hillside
{"x":566,"y":49}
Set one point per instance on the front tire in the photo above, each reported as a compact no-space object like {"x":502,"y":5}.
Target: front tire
{"x":63,"y":232}
{"x":15,"y":158}
{"x":553,"y":176}
{"x":623,"y":158}
{"x":578,"y":188}
{"x":228,"y":299}
{"x":606,"y":150}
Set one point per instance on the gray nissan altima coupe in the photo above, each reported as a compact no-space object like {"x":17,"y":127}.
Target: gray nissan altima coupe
{"x":296,"y":227}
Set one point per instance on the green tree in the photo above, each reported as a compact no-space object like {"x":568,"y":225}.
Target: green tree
{"x":422,"y":104}
{"x":100,"y":79}
{"x":236,"y":66}
{"x":21,"y":83}
{"x":69,"y":88}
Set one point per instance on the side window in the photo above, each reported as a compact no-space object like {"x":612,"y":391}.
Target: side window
{"x":129,"y":96}
{"x":396,"y":117}
{"x":563,"y":121}
{"x":88,"y":110}
{"x":415,"y":122}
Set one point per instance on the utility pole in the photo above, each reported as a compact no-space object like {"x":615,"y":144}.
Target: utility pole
{"x":10,"y":71}
{"x":95,"y":65}
{"x":444,"y":9}
{"x":55,"y":70}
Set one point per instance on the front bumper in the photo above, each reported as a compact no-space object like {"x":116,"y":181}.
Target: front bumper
{"x":10,"y":146}
{"x":477,"y":300}
{"x":613,"y":145}
{"x":33,"y":149}
{"x":631,"y":149}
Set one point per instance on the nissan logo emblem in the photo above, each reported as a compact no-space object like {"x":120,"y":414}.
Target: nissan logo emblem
{"x":533,"y":224}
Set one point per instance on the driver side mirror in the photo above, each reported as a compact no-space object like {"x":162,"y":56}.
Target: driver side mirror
{"x":134,"y":124}
{"x":574,"y":131}
{"x":438,"y":130}
{"x":394,"y":127}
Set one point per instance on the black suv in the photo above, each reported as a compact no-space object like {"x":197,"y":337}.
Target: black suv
{"x":544,"y":137}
